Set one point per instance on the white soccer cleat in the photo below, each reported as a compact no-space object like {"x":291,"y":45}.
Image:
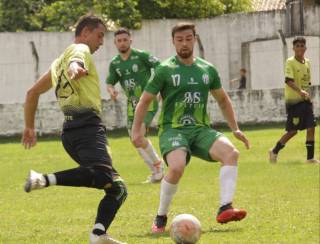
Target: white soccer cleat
{"x":313,"y":161}
{"x":155,"y":178}
{"x":34,"y":181}
{"x":103,"y":239}
{"x":157,"y":175}
{"x":272,"y":157}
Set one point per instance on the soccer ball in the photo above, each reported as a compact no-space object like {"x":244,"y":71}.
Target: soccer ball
{"x":185,"y":229}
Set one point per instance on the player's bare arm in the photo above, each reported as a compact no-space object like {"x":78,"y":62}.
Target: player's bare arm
{"x":112,"y":91}
{"x":225,"y":105}
{"x":76,"y":70}
{"x":301,"y":92}
{"x":141,"y":110}
{"x":41,"y":86}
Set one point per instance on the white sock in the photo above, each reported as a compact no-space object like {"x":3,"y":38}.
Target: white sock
{"x":52,"y":179}
{"x":99,"y":226}
{"x":228,"y":181}
{"x":151,"y":152}
{"x":146,"y":158}
{"x":166,"y":194}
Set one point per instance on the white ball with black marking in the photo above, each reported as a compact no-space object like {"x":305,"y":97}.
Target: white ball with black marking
{"x":185,"y":229}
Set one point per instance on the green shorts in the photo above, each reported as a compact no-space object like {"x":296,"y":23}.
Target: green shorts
{"x":147,"y":119}
{"x":196,"y":140}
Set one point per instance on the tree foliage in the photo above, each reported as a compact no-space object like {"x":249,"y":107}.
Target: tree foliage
{"x":60,"y":15}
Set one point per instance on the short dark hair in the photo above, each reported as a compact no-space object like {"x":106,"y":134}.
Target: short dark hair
{"x":122,"y":30}
{"x":183,"y":26}
{"x":243,"y":70}
{"x":299,"y":39}
{"x":90,"y":21}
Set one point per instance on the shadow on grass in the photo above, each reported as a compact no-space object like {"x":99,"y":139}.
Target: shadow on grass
{"x":152,"y":235}
{"x":167,"y":234}
{"x":289,"y":163}
{"x":219,"y":230}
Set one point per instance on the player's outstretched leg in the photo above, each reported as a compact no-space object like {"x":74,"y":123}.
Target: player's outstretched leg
{"x":96,"y":177}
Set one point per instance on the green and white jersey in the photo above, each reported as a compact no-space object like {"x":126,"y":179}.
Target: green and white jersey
{"x":184,"y":90}
{"x":80,"y":99}
{"x":133,"y":75}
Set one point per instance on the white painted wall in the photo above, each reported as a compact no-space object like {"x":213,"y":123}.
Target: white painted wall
{"x":266,"y":62}
{"x":221,"y":36}
{"x":250,"y":106}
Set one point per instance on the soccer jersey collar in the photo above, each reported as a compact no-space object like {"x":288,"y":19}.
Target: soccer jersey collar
{"x":124,"y":60}
{"x":186,"y":65}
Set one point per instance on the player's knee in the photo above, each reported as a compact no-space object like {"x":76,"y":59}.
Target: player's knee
{"x":102,"y":178}
{"x":231,"y":157}
{"x":176,"y":171}
{"x":118,"y":190}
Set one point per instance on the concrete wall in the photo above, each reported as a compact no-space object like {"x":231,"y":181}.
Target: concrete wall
{"x":222,"y":38}
{"x":251,"y":106}
{"x":225,"y":40}
{"x":267,"y":62}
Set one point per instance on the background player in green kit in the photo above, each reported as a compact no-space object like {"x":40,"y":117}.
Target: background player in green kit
{"x":77,"y":89}
{"x":184,"y":83}
{"x":298,"y":103}
{"x":132,"y":68}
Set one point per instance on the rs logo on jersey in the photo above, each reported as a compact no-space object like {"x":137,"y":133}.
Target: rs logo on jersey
{"x":192,"y":97}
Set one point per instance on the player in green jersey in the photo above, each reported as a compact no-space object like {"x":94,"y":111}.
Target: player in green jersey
{"x":298,"y":102}
{"x":76,"y":83}
{"x":184,"y":83}
{"x":132,"y":69}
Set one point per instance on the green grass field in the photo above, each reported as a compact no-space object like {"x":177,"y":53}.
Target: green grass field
{"x":282,"y":200}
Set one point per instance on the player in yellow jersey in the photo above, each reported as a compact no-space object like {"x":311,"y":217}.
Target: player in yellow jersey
{"x":298,"y":102}
{"x":76,"y":83}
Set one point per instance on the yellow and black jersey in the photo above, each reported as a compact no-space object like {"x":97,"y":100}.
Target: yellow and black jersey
{"x":80,"y":99}
{"x":300,"y":74}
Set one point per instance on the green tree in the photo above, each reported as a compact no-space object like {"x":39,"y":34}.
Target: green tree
{"x":60,"y":15}
{"x":235,"y":6}
{"x":125,"y":13}
{"x":155,"y":9}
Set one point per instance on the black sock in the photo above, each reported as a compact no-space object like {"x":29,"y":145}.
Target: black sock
{"x":225,"y":207}
{"x":47,"y":180}
{"x":98,"y":232}
{"x":107,"y":210}
{"x":277,"y":148}
{"x":310,"y":149}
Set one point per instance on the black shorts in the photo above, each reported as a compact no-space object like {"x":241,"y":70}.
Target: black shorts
{"x":300,"y":116}
{"x":88,"y":147}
